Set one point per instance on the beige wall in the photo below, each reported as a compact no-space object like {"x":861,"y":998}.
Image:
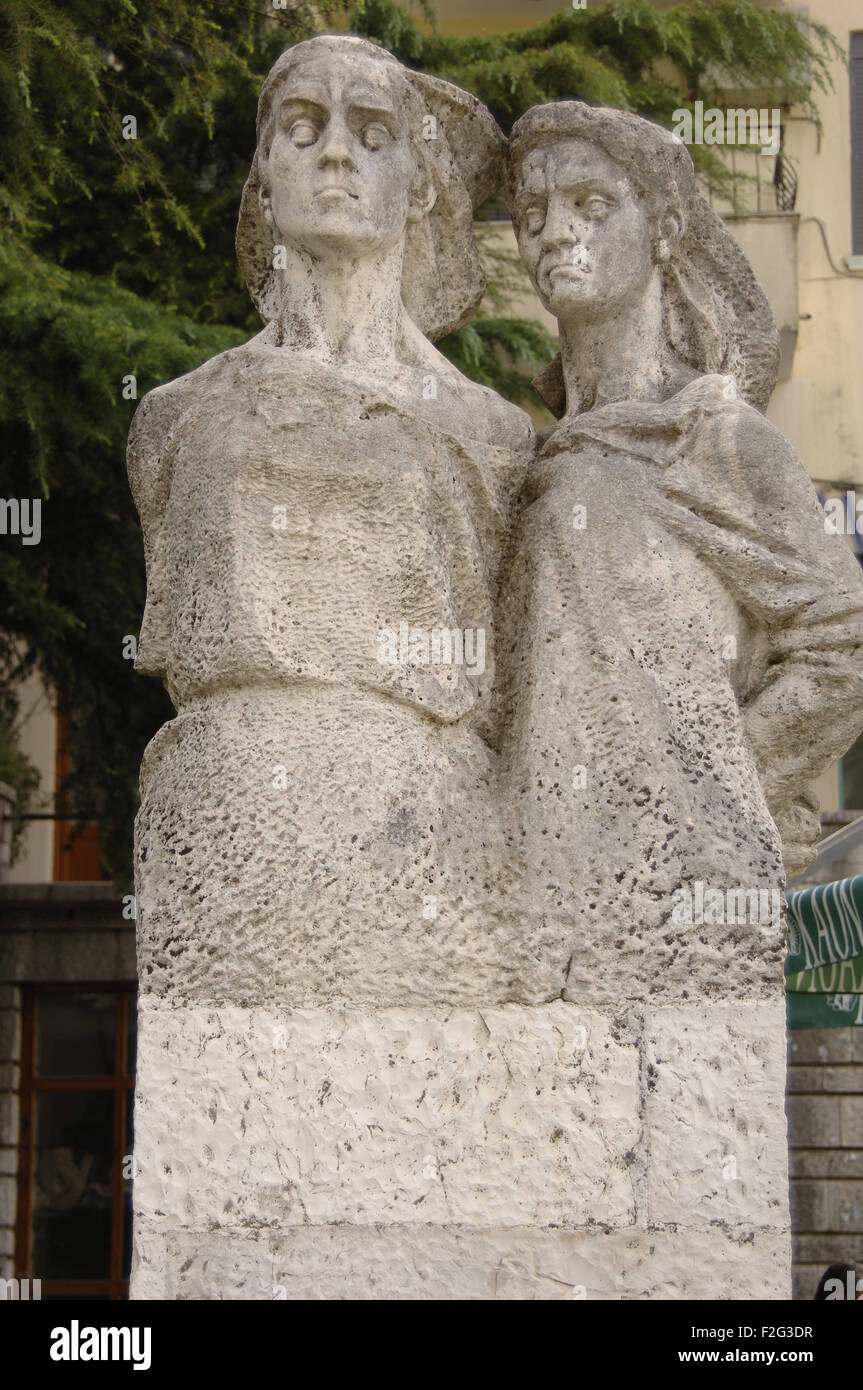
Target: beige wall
{"x":38,"y":723}
{"x":821,"y":407}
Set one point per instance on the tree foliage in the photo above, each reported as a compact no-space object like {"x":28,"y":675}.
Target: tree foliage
{"x":628,"y":54}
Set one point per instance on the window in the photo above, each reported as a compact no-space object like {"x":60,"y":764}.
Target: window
{"x":76,"y":843}
{"x":851,"y":778}
{"x":77,"y":1086}
{"x":856,"y":81}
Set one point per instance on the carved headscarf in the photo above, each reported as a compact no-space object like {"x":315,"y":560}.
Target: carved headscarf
{"x":442,"y":279}
{"x":716,"y":315}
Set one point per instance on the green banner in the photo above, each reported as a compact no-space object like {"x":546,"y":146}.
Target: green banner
{"x":825,"y":1010}
{"x":842,"y":977}
{"x":824,"y":965}
{"x":825,"y":927}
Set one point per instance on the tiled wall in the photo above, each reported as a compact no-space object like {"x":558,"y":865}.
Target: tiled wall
{"x":825,"y":1136}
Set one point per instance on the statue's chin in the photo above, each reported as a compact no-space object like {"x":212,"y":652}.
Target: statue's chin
{"x":336,"y":234}
{"x":566,"y":294}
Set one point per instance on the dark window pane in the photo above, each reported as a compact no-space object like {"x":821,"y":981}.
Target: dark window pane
{"x":72,"y":1184}
{"x":76,"y":1034}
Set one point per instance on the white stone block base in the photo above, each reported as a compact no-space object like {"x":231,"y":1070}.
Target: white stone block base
{"x":513,"y":1152}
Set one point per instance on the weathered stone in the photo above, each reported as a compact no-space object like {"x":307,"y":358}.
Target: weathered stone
{"x":457,"y":1263}
{"x":324,"y":510}
{"x":714,"y":1115}
{"x":8,"y":1117}
{"x":9,"y":1075}
{"x":507,"y":1116}
{"x":459,"y":871}
{"x":827,"y":1206}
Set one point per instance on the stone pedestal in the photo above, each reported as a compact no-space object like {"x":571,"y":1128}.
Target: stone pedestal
{"x":513,"y":1152}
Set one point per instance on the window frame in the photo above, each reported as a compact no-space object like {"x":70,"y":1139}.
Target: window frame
{"x":120,"y":1082}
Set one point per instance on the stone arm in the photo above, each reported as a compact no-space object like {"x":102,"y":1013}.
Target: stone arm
{"x":805,"y":593}
{"x":149,"y":458}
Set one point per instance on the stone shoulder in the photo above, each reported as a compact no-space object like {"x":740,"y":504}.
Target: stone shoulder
{"x":161,"y":408}
{"x":509,"y":427}
{"x":768,"y":462}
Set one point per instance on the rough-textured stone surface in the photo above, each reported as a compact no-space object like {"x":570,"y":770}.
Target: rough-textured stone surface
{"x":681,"y":615}
{"x":822,"y":1249}
{"x":438,"y":1262}
{"x":459,"y":731}
{"x":505,"y":1116}
{"x":715,"y":1115}
{"x":528,"y":1121}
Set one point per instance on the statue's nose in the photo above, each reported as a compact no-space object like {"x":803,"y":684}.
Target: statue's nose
{"x":561,"y":226}
{"x":336,"y":146}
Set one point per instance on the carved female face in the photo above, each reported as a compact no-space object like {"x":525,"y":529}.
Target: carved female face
{"x":340,"y":165}
{"x":583,"y":231}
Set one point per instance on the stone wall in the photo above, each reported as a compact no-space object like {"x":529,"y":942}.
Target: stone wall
{"x":825,"y":1136}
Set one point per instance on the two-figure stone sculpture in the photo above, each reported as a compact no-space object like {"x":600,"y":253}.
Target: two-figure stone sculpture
{"x":418,"y":1015}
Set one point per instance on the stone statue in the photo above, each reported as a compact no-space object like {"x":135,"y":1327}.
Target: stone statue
{"x":323,"y":510}
{"x":417,"y":1019}
{"x":681,"y":654}
{"x":686,"y":651}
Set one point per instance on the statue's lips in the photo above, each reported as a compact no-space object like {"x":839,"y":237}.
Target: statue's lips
{"x":568,"y":269}
{"x":336,"y":191}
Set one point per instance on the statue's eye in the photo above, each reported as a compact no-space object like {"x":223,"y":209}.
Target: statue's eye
{"x":303,"y":132}
{"x":534,"y":220}
{"x":375,"y":136}
{"x":596,"y":206}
